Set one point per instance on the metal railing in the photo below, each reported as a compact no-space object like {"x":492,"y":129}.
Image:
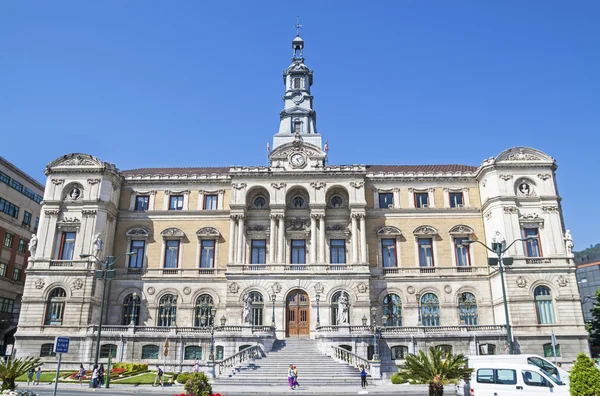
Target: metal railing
{"x":242,"y":356}
{"x":350,"y":358}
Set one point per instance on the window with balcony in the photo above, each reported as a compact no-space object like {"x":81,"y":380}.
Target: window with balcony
{"x":421,"y":200}
{"x":67,"y":246}
{"x":533,"y":247}
{"x":171,"y":253}
{"x":337,"y":251}
{"x":137,"y":260}
{"x":429,"y":310}
{"x":392,"y":310}
{"x":258,"y":249}
{"x":55,"y":307}
{"x":467,"y":309}
{"x":386,"y":200}
{"x":9,"y":208}
{"x":130,"y":311}
{"x":202,"y":311}
{"x":176,"y":202}
{"x":298,"y":255}
{"x":456,"y":200}
{"x":210,"y":202}
{"x":425,"y":252}
{"x":543,"y":305}
{"x":461,"y":252}
{"x":388,"y":253}
{"x":107,"y":350}
{"x":142,"y":203}
{"x":8,"y":240}
{"x":167,"y":311}
{"x":150,"y":352}
{"x":22,"y":246}
{"x":193,"y":352}
{"x":207,"y":253}
{"x":26,"y":219}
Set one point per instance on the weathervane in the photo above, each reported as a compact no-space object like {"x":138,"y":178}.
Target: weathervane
{"x":298,"y":26}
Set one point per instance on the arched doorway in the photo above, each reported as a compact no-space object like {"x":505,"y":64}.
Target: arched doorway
{"x":298,"y":314}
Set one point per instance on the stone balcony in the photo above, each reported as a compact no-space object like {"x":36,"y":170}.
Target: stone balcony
{"x":298,"y":269}
{"x":434,"y":272}
{"x":219,"y":331}
{"x":412,"y":331}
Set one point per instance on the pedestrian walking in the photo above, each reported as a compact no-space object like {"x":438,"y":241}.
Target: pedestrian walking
{"x":363,"y":376}
{"x":81,"y":374}
{"x":159,"y":377}
{"x":38,"y":375}
{"x":291,"y":376}
{"x":30,"y":373}
{"x":101,"y":376}
{"x":196,"y":366}
{"x":95,"y":376}
{"x":295,"y":382}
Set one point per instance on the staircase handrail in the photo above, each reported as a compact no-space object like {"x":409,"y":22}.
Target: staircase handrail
{"x":235,"y":360}
{"x":351,"y":358}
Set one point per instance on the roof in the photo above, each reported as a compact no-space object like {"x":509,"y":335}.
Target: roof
{"x":420,"y":168}
{"x":15,"y":169}
{"x":176,"y":171}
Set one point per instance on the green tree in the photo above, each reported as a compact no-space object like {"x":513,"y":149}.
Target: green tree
{"x":594,"y":326}
{"x":198,"y":385}
{"x":584,"y":377}
{"x":9,"y":371}
{"x":434,"y":368}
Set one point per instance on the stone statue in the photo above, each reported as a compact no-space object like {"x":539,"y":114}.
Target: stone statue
{"x":98,"y":243}
{"x":33,"y":245}
{"x":342,"y":313}
{"x":499,"y":238}
{"x":247,"y":314}
{"x":569,"y":243}
{"x":75,"y":193}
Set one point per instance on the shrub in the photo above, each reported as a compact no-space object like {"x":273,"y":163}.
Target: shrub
{"x":198,"y":385}
{"x":397,"y":379}
{"x":131,"y":367}
{"x":9,"y":371}
{"x":183,"y":378}
{"x":585,"y":377}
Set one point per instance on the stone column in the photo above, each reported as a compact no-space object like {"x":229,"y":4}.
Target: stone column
{"x":313,"y":239}
{"x":363,"y":239}
{"x":354,"y":238}
{"x":281,"y":235}
{"x":322,"y":239}
{"x":231,"y":238}
{"x":272,"y":236}
{"x":240,"y":241}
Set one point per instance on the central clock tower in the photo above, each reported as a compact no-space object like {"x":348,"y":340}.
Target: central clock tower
{"x":297,"y":116}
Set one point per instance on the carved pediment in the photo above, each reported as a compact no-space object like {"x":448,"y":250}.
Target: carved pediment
{"x":208,"y":231}
{"x":137,"y":232}
{"x":172,"y":232}
{"x":461,"y":230}
{"x":389,"y":231}
{"x":425,"y":230}
{"x":522,"y":154}
{"x":298,"y":224}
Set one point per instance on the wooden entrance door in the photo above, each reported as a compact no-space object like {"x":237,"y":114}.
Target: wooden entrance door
{"x":298,"y":314}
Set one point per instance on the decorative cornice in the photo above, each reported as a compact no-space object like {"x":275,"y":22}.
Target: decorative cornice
{"x":510,"y":209}
{"x":317,"y":185}
{"x":278,"y":186}
{"x":89,"y":212}
{"x":238,"y":186}
{"x":93,"y":181}
{"x":51,"y":212}
{"x":550,"y":208}
{"x":57,"y":181}
{"x":544,"y":176}
{"x":505,"y":177}
{"x":357,"y":185}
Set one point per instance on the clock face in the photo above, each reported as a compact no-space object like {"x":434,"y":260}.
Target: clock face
{"x":297,"y":160}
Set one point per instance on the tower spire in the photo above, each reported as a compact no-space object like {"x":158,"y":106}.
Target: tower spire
{"x":298,"y":26}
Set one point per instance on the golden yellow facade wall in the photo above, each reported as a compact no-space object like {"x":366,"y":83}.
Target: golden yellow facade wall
{"x":193,"y":200}
{"x":159,"y":200}
{"x":369,"y":197}
{"x":438,"y":197}
{"x":404,"y":202}
{"x":474,"y":198}
{"x":125,"y":199}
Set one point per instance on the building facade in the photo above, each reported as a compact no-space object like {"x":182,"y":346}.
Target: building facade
{"x":20,"y":198}
{"x":300,"y":248}
{"x":588,"y":280}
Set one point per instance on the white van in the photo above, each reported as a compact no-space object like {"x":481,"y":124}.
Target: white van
{"x":514,"y":380}
{"x":535,"y":360}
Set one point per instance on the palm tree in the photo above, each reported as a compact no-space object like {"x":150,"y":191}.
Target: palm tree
{"x":9,"y":371}
{"x":434,"y":369}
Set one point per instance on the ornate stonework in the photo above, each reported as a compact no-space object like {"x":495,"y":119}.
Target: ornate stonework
{"x":233,"y":288}
{"x":39,"y":283}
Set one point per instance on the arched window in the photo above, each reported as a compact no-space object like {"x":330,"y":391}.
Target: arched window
{"x":55,"y":308}
{"x":150,"y":352}
{"x":399,"y":352}
{"x":260,"y":203}
{"x":47,"y":350}
{"x":130,"y":312}
{"x":203,"y":316}
{"x":467,"y":309}
{"x":258,"y":306}
{"x":430,"y":310}
{"x":336,"y":201}
{"x":543,"y":305}
{"x":392,"y":310}
{"x":298,"y":202}
{"x":167,"y":311}
{"x":219,"y":355}
{"x":193,"y":352}
{"x":335,"y":308}
{"x":108,"y":349}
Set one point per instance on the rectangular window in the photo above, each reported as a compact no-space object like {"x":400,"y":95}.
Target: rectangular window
{"x":297,"y":83}
{"x":137,"y":260}
{"x":28,"y":193}
{"x":463,"y":258}
{"x":210,"y":202}
{"x":386,"y":200}
{"x":176,"y":202}
{"x":26,"y":218}
{"x":38,"y":198}
{"x":298,"y":251}
{"x":171,"y":254}
{"x":3,"y":268}
{"x":421,"y":200}
{"x":37,"y":224}
{"x":16,"y":185}
{"x":259,"y":251}
{"x":8,"y":240}
{"x":337,"y":251}
{"x":6,"y":305}
{"x":207,"y":253}
{"x":456,"y":200}
{"x":141,"y":203}
{"x":16,"y":274}
{"x":532,"y":247}
{"x":22,"y":246}
{"x":47,"y":350}
{"x":425,"y":252}
{"x":9,"y":208}
{"x":67,"y":246}
{"x":549,"y":351}
{"x":388,"y":252}
{"x":297,"y":127}
{"x":4,"y":178}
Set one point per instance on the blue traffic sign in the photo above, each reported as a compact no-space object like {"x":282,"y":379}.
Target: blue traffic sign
{"x":61,"y":344}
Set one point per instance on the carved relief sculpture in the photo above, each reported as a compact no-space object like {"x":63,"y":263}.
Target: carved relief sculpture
{"x":233,"y":288}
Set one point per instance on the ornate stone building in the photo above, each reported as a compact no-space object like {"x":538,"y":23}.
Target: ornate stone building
{"x":300,"y":248}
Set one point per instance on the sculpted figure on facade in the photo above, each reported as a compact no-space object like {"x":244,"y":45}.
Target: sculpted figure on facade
{"x":342,"y":314}
{"x":247,"y":313}
{"x":33,"y":245}
{"x":569,"y":243}
{"x":98,"y":244}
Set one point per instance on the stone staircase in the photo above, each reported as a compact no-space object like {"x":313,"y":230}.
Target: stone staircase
{"x":314,"y":368}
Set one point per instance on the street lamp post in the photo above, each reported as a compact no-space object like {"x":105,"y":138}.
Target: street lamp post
{"x":211,"y":356}
{"x":133,"y":306}
{"x":375,"y":329}
{"x":318,"y":299}
{"x":499,"y":251}
{"x":106,"y":274}
{"x":273,"y":297}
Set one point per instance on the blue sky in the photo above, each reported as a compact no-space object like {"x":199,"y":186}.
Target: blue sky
{"x":198,"y":83}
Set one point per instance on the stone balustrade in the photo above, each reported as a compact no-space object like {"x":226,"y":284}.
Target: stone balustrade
{"x":298,"y":268}
{"x":401,"y":330}
{"x":225,"y":330}
{"x":435,"y":271}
